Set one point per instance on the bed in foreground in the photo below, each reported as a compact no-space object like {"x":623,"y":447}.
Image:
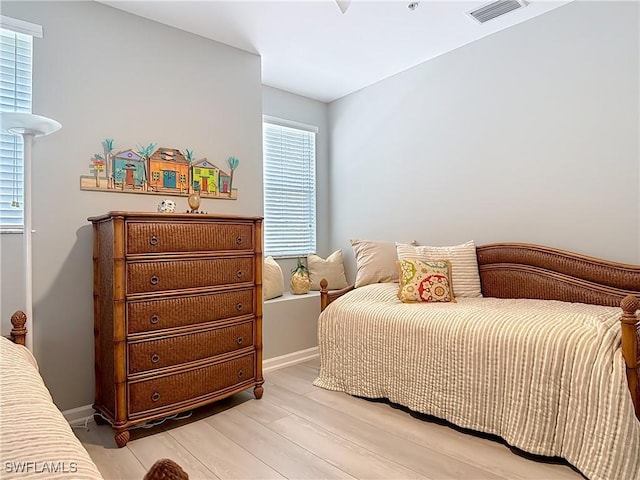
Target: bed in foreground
{"x":538,"y":360}
{"x":35,"y":439}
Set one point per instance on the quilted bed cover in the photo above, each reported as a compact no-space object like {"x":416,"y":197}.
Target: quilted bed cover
{"x":547,"y":376}
{"x":35,"y":439}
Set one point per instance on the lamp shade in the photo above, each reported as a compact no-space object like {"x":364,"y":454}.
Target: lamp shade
{"x":19,"y":123}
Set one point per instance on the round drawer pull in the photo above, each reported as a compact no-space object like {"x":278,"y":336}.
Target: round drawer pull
{"x":154,"y":280}
{"x":240,"y":373}
{"x":239,"y":306}
{"x":155,"y":397}
{"x":155,"y":358}
{"x":240,"y":340}
{"x":153,"y":240}
{"x":154,"y":319}
{"x":239,"y":274}
{"x":239,"y":241}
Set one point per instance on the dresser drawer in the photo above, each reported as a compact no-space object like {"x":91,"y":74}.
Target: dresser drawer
{"x":164,"y":237}
{"x":151,"y":315}
{"x":190,"y":385}
{"x":152,"y":354}
{"x":166,"y":275}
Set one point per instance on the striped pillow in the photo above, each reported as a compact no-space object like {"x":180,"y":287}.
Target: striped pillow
{"x":464,"y":264}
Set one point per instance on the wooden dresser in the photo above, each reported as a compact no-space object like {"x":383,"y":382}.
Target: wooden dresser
{"x":177,"y":313}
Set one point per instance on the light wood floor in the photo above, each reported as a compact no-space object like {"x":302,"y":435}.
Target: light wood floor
{"x":301,"y":431}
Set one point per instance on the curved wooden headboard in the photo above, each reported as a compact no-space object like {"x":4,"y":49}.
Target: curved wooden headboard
{"x":521,"y":270}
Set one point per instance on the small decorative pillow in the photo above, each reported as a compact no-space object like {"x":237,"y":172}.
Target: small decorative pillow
{"x":464,"y":264}
{"x":423,"y":281}
{"x":332,"y":269}
{"x":375,"y":262}
{"x":272,"y":279}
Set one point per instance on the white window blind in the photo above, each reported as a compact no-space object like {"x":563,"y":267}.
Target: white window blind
{"x":289,"y":189}
{"x":15,"y":96}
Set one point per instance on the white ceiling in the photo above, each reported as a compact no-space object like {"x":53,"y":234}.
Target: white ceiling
{"x":312,"y":49}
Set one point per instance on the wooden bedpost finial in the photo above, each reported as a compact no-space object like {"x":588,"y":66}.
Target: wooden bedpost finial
{"x":165,"y":469}
{"x":19,"y":331}
{"x":324,"y":299}
{"x":630,"y":305}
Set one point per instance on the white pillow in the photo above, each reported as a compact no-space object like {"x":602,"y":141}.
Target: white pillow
{"x":332,"y":269}
{"x":375,"y":262}
{"x":464,"y":264}
{"x":272,"y":279}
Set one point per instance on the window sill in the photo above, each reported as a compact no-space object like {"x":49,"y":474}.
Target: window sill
{"x":288,"y":257}
{"x":288,"y":296}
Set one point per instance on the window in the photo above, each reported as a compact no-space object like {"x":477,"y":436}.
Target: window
{"x":289,"y":188}
{"x":16,"y":47}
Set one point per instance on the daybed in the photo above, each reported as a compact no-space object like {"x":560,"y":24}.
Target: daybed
{"x":35,"y":439}
{"x":547,"y":359}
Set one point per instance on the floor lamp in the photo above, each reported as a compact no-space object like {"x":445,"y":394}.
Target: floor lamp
{"x":28,"y":126}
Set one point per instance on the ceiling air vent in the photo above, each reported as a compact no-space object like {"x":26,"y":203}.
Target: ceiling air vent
{"x":495,"y":9}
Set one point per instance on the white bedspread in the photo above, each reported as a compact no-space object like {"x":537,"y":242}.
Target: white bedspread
{"x":35,"y":439}
{"x":546,"y":376}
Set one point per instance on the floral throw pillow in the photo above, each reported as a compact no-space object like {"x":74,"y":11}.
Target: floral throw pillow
{"x":464,"y":264}
{"x":425,"y":281}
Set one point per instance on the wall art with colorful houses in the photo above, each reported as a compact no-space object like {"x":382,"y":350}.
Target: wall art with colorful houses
{"x":161,"y":171}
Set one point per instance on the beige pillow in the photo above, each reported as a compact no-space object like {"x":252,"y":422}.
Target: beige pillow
{"x":375,"y":262}
{"x":272,"y":279}
{"x":464,"y":264}
{"x":332,"y":269}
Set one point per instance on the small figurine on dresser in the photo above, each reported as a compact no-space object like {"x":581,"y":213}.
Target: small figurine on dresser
{"x":167,"y":206}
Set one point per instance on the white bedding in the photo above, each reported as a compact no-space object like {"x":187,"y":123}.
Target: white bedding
{"x":546,"y":376}
{"x":35,"y":439}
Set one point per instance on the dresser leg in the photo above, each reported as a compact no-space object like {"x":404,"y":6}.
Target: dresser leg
{"x":122,"y":437}
{"x":258,"y":391}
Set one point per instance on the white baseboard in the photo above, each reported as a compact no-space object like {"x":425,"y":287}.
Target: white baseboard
{"x":290,"y":359}
{"x":78,"y":416}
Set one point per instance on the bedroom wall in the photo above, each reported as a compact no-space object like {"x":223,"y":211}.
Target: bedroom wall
{"x":528,"y":135}
{"x":105,"y":73}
